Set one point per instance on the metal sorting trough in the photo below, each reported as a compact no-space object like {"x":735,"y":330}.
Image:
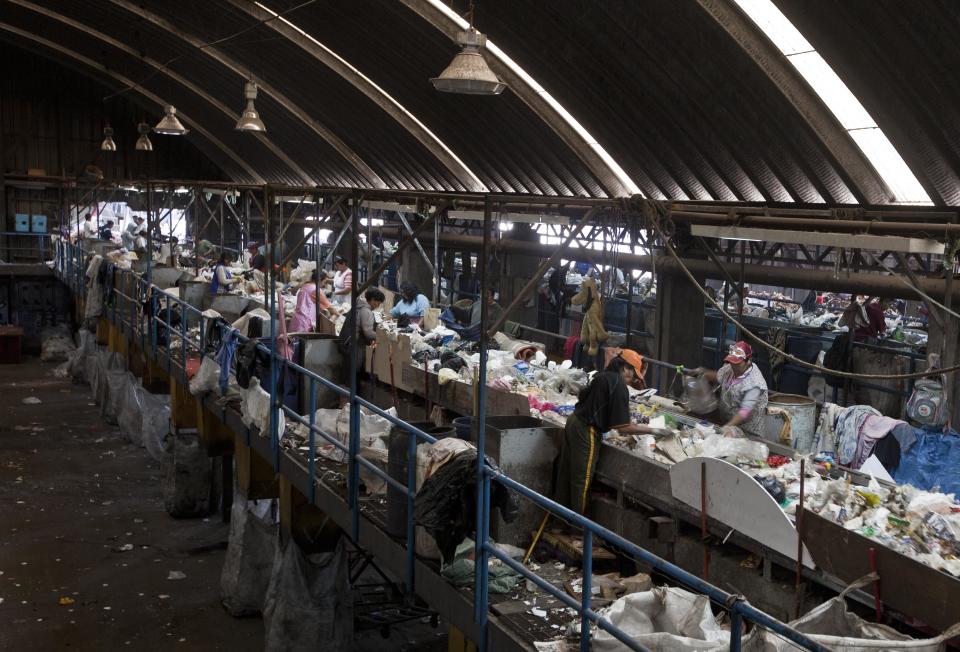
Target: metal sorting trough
{"x":802,"y":415}
{"x":524,"y":448}
{"x":320,"y":354}
{"x":230,"y":306}
{"x":165,"y":277}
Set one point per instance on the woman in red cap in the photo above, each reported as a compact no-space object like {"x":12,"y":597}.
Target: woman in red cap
{"x":743,"y":391}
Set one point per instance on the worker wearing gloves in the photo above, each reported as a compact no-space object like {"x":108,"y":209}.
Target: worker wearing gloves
{"x":222,"y":279}
{"x":411,"y":303}
{"x":743,"y":392}
{"x":603,"y":406}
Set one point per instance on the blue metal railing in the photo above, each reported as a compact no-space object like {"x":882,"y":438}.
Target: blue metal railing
{"x":133,"y":292}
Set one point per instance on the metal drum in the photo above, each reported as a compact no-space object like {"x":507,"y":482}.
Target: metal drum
{"x":321,"y":355}
{"x":397,"y":454}
{"x":802,"y":415}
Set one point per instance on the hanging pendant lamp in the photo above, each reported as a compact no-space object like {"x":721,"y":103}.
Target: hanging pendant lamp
{"x":143,"y":142}
{"x":468,"y":73}
{"x":108,"y":145}
{"x":170,"y":125}
{"x":249,"y":118}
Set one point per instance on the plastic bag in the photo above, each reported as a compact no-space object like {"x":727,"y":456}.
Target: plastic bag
{"x":207,"y":378}
{"x":186,"y":476}
{"x":117,"y":383}
{"x":666,"y":619}
{"x":56,"y":344}
{"x":248,"y":564}
{"x":838,"y":628}
{"x":308,"y":605}
{"x":130,"y":414}
{"x":155,"y":423}
{"x":722,"y":447}
{"x":256,"y":409}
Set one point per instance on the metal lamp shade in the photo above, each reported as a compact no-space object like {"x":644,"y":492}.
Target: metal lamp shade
{"x":250,"y":119}
{"x":143,"y":142}
{"x":108,"y":145}
{"x":170,"y":125}
{"x":468,"y":74}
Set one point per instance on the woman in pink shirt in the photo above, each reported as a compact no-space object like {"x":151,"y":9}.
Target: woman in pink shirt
{"x":304,"y":318}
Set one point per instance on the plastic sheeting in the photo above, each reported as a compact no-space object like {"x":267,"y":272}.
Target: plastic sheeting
{"x":155,"y":423}
{"x":308,"y":605}
{"x":130,"y":413}
{"x":248,"y":564}
{"x":933,"y":461}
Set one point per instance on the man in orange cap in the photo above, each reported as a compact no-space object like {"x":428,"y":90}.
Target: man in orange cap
{"x":743,"y":391}
{"x":603,"y":406}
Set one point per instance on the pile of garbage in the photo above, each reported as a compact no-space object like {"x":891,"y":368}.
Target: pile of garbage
{"x":517,"y":366}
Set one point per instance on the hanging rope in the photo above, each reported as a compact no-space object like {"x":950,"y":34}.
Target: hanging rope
{"x":659,"y":211}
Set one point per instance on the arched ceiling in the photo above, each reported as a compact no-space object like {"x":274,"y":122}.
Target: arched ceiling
{"x":682,"y":100}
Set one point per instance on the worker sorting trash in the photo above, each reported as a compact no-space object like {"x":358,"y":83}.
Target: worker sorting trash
{"x":603,"y":406}
{"x":743,"y":392}
{"x":411,"y":304}
{"x":304,"y":318}
{"x":342,"y":281}
{"x":222,"y":278}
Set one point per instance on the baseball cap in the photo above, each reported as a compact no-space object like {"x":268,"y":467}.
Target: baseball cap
{"x":739,"y":352}
{"x":634,"y":359}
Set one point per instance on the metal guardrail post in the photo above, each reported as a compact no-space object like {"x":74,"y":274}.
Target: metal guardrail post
{"x":312,"y":459}
{"x":411,"y":529}
{"x":481,"y":571}
{"x":736,"y":629}
{"x":353,"y":480}
{"x":586,"y":590}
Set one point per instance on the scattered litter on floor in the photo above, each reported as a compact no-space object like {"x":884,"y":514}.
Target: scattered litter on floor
{"x":177,"y":575}
{"x":125,"y":547}
{"x":65,"y":601}
{"x":31,"y":400}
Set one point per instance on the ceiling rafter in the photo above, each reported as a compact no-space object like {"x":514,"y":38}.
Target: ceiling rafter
{"x":865,"y":182}
{"x":76,"y":56}
{"x":365,"y":85}
{"x":298,"y":112}
{"x":89,"y":31}
{"x":610,"y":174}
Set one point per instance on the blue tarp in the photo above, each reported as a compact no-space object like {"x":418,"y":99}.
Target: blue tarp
{"x":934,"y":461}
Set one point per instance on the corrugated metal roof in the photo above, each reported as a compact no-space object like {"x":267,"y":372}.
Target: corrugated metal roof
{"x":684,"y":108}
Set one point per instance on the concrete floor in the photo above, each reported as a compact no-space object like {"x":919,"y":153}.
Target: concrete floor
{"x":72,"y":495}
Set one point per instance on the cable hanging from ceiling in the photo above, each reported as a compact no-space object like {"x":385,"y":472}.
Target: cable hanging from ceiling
{"x":219,"y":41}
